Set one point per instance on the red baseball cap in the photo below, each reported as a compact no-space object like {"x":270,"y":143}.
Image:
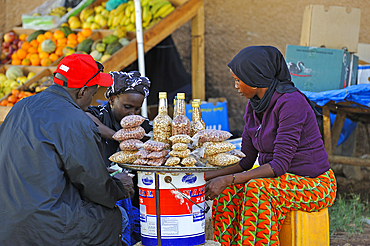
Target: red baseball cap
{"x":79,"y":70}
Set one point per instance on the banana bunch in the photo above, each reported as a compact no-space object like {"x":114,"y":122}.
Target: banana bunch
{"x":161,"y":8}
{"x":151,"y":11}
{"x":58,"y":11}
{"x":86,"y":12}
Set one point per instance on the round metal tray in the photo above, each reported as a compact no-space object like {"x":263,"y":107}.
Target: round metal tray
{"x":169,"y":169}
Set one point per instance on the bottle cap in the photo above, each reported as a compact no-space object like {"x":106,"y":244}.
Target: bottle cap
{"x":162,"y":95}
{"x":180,"y":95}
{"x":195,"y":103}
{"x":199,"y":101}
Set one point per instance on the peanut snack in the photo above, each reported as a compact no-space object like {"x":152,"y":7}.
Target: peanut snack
{"x":181,"y":154}
{"x":172,"y":161}
{"x":213,"y":148}
{"x":236,"y":152}
{"x":130,"y":121}
{"x":158,"y":154}
{"x":129,"y":133}
{"x":130,"y":144}
{"x":151,"y":145}
{"x":222,"y":159}
{"x":179,"y":146}
{"x":124,"y":157}
{"x":180,"y":138}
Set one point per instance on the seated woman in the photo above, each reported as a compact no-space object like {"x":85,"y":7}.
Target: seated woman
{"x":280,"y":127}
{"x":125,"y":97}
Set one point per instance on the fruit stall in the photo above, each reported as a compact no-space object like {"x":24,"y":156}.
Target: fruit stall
{"x":108,"y":33}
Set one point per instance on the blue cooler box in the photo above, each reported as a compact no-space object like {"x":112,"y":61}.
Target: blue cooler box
{"x":320,"y":69}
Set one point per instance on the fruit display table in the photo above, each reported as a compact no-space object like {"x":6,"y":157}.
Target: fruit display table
{"x":343,"y":110}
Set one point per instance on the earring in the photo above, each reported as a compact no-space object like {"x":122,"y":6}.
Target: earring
{"x":111,"y":106}
{"x":254,"y":88}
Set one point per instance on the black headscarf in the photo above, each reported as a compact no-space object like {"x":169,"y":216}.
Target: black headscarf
{"x":131,"y":82}
{"x":262,"y":66}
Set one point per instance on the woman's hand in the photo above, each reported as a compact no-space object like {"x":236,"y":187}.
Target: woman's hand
{"x":215,"y":186}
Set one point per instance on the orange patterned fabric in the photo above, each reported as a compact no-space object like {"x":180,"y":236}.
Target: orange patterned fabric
{"x":253,"y":213}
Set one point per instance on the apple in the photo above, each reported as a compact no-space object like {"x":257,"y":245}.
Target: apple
{"x":9,"y":37}
{"x":20,"y":43}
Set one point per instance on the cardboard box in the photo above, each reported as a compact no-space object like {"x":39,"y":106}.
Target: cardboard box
{"x":214,"y":113}
{"x":320,"y":69}
{"x":363,"y":52}
{"x":333,"y":27}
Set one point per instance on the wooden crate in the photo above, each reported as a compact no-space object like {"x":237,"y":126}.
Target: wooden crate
{"x":39,"y":75}
{"x":26,"y":70}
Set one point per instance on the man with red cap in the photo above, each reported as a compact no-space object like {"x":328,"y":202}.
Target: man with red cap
{"x":54,"y":186}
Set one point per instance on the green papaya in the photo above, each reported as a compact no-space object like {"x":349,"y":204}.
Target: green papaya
{"x":110,"y":39}
{"x":85,"y":45}
{"x":113,"y":47}
{"x":34,"y":35}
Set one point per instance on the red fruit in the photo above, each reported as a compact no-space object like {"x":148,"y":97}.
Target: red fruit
{"x":5,"y":44}
{"x":20,"y":43}
{"x":9,"y":37}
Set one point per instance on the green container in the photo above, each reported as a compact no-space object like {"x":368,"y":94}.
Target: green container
{"x":320,"y":69}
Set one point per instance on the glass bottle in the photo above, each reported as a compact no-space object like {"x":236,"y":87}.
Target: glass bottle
{"x":180,"y":123}
{"x":200,"y":113}
{"x":174,"y":107}
{"x":162,"y":122}
{"x":196,"y":122}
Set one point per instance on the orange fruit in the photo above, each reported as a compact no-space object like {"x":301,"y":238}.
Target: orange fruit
{"x":34,"y":43}
{"x":14,"y":55}
{"x":23,"y":37}
{"x":45,"y":62}
{"x":26,"y":45}
{"x":86,"y":32}
{"x":43,"y":54}
{"x":32,"y":50}
{"x":71,"y":36}
{"x":28,"y":56}
{"x":21,"y":53}
{"x":53,"y":57}
{"x":40,"y":38}
{"x":58,"y":34}
{"x":10,"y":104}
{"x":72,"y":43}
{"x":48,"y":34}
{"x":16,"y":61}
{"x":12,"y":98}
{"x":59,"y":51}
{"x":26,"y":62}
{"x":35,"y":60}
{"x":21,"y":94}
{"x":4,"y":102}
{"x":39,"y":49}
{"x":81,"y":38}
{"x":62,"y":41}
{"x":15,"y":92}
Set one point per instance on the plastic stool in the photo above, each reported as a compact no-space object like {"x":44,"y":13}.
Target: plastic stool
{"x":305,"y":229}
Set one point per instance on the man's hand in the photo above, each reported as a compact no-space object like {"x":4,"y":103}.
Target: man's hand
{"x":127,"y":182}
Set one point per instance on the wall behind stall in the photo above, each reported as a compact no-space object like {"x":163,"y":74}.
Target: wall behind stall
{"x":229,"y":26}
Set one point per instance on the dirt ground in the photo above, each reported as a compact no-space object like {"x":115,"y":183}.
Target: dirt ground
{"x":347,"y":186}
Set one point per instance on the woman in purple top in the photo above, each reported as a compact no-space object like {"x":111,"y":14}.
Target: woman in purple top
{"x":281,"y":129}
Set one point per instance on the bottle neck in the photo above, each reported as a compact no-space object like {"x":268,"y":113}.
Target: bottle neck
{"x":196,"y":114}
{"x":180,"y":107}
{"x":162,"y":106}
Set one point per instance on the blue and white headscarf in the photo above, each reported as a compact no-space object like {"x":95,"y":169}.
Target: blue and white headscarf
{"x":131,"y":82}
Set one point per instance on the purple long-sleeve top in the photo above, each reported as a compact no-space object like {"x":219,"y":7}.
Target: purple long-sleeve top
{"x":288,"y":137}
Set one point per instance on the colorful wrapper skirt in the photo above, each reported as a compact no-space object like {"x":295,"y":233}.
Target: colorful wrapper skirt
{"x":253,"y":213}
